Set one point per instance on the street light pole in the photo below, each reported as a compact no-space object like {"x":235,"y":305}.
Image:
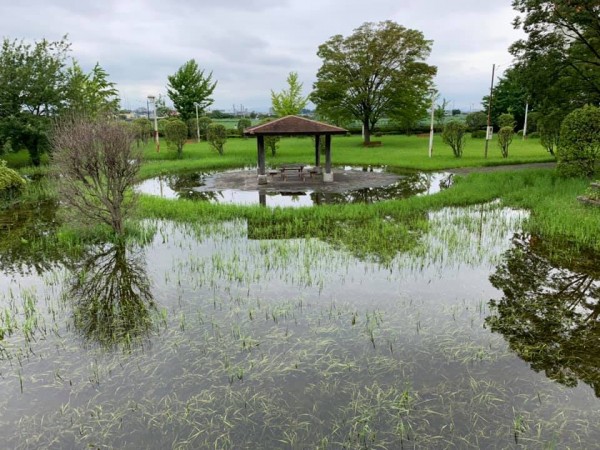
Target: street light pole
{"x":197,"y":121}
{"x":152,"y":100}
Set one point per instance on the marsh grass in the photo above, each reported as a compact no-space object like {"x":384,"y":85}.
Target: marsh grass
{"x":383,"y":229}
{"x":290,"y":343}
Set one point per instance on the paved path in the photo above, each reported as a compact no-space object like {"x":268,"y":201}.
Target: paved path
{"x":506,"y":167}
{"x":343,"y":181}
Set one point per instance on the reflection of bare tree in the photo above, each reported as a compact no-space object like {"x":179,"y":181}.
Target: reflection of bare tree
{"x":549,"y":312}
{"x":112,"y":297}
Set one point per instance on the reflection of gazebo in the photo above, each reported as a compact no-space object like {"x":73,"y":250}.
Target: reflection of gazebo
{"x":294,"y":126}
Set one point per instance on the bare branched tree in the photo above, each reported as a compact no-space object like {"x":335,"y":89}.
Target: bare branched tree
{"x":96,"y":164}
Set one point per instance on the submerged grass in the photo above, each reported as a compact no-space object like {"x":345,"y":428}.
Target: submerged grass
{"x":388,"y":226}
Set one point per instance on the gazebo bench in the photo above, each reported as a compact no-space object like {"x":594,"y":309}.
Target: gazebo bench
{"x":292,"y":168}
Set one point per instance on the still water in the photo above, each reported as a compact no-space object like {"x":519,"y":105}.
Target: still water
{"x":193,"y":186}
{"x":203,"y":337}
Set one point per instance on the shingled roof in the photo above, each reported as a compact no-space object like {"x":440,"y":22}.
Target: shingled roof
{"x":293,"y":125}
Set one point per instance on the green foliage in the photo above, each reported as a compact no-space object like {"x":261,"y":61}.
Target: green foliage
{"x":455,"y":135}
{"x":289,"y":101}
{"x":579,"y":148}
{"x":6,"y":147}
{"x":272,"y":143}
{"x":378,"y":70}
{"x":506,"y":120}
{"x":242,"y":124}
{"x":559,"y":57}
{"x":478,"y":134}
{"x":549,"y":128}
{"x":439,"y":113}
{"x":217,"y":137}
{"x":534,"y":135}
{"x":204,"y":122}
{"x":505,"y":137}
{"x":176,"y":133}
{"x":476,"y":120}
{"x":142,"y":128}
{"x":532,"y":121}
{"x":90,"y":94}
{"x":189,"y":86}
{"x":192,"y":127}
{"x":10,"y":181}
{"x":33,"y":84}
{"x":510,"y":97}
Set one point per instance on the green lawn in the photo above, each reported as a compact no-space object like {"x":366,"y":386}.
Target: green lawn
{"x":400,"y":151}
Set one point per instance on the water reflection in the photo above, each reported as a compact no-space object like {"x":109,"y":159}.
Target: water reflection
{"x":194,"y":186}
{"x":25,"y":246}
{"x":550,"y":311}
{"x":112,"y":300}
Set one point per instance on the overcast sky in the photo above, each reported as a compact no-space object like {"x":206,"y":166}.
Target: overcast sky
{"x":252,"y":45}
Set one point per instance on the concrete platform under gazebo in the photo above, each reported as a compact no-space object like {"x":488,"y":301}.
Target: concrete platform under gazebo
{"x":294,"y":126}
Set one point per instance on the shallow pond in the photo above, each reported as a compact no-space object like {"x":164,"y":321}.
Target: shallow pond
{"x":200,"y":186}
{"x":207,"y":338}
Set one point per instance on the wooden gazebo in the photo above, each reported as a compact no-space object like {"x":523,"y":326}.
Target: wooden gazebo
{"x":294,"y":126}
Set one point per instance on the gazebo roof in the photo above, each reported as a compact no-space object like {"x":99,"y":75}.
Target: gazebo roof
{"x":293,"y":125}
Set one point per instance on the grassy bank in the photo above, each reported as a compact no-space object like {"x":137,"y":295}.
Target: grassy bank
{"x":387,"y":227}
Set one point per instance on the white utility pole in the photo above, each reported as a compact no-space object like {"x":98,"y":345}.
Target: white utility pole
{"x":525,"y":124}
{"x":152,"y":100}
{"x":197,"y":122}
{"x":490,"y":131}
{"x":431,"y":127}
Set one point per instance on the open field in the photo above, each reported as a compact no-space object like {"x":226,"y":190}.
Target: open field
{"x":400,"y":151}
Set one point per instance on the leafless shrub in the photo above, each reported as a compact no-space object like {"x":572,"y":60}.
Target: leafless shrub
{"x":96,"y":164}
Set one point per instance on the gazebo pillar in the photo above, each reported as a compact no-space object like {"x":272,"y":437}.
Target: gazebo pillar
{"x":328,"y":174}
{"x":317,"y":150}
{"x":260,"y":143}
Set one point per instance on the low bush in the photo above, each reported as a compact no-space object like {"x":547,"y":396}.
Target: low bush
{"x":478,"y":134}
{"x":217,"y":137}
{"x":11,"y":182}
{"x":455,"y":135}
{"x":579,"y":148}
{"x":505,"y":137}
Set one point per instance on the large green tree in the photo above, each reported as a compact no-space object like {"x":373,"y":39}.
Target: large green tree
{"x":189,"y":86}
{"x":32,"y":86}
{"x":509,"y":97}
{"x":378,"y":70}
{"x":91,"y":94}
{"x":289,"y":101}
{"x":560,"y":56}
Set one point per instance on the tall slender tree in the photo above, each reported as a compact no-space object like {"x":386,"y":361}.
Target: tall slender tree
{"x":91,"y":94}
{"x":289,"y":101}
{"x":189,"y":86}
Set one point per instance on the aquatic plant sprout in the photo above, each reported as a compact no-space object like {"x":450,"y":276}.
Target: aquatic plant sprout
{"x":285,"y":343}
